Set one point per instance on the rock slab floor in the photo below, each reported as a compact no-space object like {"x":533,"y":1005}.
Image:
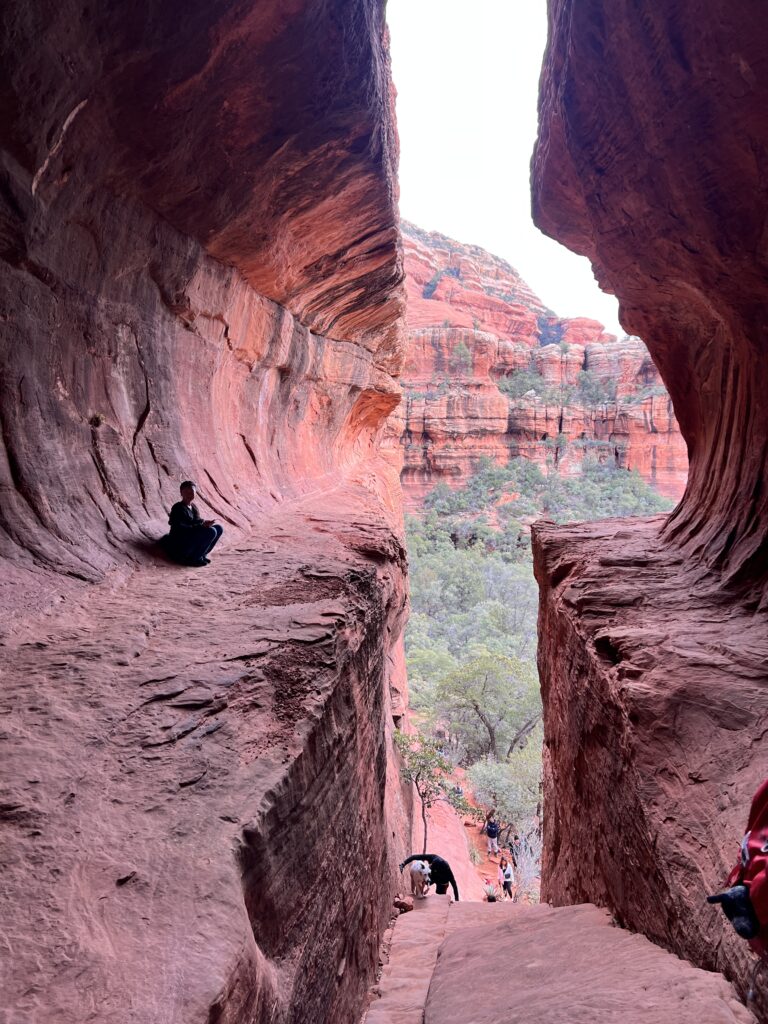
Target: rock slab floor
{"x":474,"y":963}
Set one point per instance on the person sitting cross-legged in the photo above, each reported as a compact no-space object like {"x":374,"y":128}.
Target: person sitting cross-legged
{"x":191,"y":537}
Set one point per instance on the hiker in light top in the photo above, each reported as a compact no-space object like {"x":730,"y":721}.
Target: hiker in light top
{"x":506,"y":877}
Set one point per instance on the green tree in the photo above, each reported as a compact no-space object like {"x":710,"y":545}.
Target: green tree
{"x":511,"y":786}
{"x":461,"y":359}
{"x":424,"y":765}
{"x":491,"y":703}
{"x":592,"y":391}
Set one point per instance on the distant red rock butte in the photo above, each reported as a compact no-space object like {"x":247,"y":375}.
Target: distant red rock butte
{"x":472,"y":322}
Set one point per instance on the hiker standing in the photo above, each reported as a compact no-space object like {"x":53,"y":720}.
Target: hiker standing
{"x":492,"y":832}
{"x":488,"y":816}
{"x":506,"y":877}
{"x":514,"y":849}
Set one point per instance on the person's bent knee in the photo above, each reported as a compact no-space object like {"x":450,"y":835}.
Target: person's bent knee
{"x":219,"y":529}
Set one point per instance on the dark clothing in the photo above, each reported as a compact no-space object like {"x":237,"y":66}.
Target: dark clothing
{"x":189,"y":541}
{"x":440,"y":871}
{"x":492,"y":830}
{"x":508,"y":888}
{"x":184,"y":517}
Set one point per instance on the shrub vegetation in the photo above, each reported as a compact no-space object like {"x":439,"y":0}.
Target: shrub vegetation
{"x":471,"y":641}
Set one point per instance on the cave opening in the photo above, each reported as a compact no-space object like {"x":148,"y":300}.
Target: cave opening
{"x":518,"y":385}
{"x":205,"y":276}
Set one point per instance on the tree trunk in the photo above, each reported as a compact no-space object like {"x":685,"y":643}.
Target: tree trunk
{"x":524,"y":731}
{"x":490,"y":729}
{"x":424,"y":820}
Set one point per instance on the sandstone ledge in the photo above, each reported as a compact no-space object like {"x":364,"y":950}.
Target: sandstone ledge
{"x":198,"y":791}
{"x":655,"y":709}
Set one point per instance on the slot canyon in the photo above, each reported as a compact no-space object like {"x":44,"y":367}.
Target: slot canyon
{"x":204,"y":276}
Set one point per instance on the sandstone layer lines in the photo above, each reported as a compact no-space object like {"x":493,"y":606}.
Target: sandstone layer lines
{"x":190,"y":756}
{"x":655,"y":694}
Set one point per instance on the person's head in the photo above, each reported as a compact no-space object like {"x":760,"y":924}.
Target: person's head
{"x":503,"y":862}
{"x":187,"y":490}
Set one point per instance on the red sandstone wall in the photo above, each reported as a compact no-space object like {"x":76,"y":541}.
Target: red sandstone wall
{"x":655,"y":178}
{"x":471,"y":322}
{"x":199,"y":277}
{"x":653,"y":634}
{"x":130,"y":357}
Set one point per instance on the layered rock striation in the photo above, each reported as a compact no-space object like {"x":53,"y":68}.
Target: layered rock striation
{"x":653,"y":634}
{"x":200,"y":277}
{"x":675,"y":231}
{"x":491,"y":372}
{"x":134,"y":154}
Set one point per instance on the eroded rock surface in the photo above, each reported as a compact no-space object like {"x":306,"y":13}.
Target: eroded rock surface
{"x":199,"y":278}
{"x":653,"y":635}
{"x":655,"y":694}
{"x":198,"y":794}
{"x":545,"y":966}
{"x":131,"y":358}
{"x":472,"y":323}
{"x":653,"y":126}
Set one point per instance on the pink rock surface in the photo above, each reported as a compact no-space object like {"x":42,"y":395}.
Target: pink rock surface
{"x":548,"y":966}
{"x":201,"y":818}
{"x":401,"y":994}
{"x":653,"y":635}
{"x":200,"y":277}
{"x":648,"y":120}
{"x":132,"y":359}
{"x":264,"y":131}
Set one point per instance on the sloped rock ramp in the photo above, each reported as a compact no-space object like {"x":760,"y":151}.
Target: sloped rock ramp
{"x":507,"y":964}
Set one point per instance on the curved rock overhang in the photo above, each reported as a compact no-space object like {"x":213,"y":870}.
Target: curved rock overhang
{"x":201,"y":265}
{"x":651,"y":161}
{"x":653,"y":641}
{"x":200,"y":276}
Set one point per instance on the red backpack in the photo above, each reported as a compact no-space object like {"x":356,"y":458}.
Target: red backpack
{"x":745,"y":903}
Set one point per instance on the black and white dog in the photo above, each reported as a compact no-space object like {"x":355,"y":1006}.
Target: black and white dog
{"x":420,"y":879}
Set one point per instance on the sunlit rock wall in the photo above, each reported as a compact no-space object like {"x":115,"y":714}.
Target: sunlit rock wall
{"x":473,"y":322}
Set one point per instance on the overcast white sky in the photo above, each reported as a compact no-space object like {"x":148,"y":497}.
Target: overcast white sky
{"x":467,"y":79}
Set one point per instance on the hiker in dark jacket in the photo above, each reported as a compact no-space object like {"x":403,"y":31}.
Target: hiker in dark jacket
{"x":492,"y":830}
{"x":440,"y":871}
{"x":191,"y":537}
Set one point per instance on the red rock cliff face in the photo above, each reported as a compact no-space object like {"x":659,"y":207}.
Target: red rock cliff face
{"x":130,"y":121}
{"x":472,"y":322}
{"x":653,"y":636}
{"x":200,"y":278}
